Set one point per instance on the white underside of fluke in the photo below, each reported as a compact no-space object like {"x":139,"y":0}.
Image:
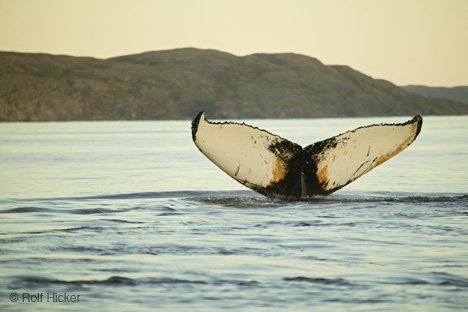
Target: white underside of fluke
{"x":357,"y":152}
{"x":241,"y":151}
{"x":277,"y":167}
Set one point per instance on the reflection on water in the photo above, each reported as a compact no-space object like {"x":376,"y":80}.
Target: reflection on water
{"x":130,"y":216}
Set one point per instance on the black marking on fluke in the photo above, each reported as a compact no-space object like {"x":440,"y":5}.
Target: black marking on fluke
{"x":300,"y":179}
{"x":195,"y":123}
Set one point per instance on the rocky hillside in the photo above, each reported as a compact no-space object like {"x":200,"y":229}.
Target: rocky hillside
{"x":459,"y":94}
{"x":177,"y":84}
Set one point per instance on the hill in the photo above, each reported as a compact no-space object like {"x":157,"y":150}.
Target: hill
{"x":459,"y":94}
{"x":177,"y":84}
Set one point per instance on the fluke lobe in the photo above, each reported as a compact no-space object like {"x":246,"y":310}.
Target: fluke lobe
{"x":276,"y":167}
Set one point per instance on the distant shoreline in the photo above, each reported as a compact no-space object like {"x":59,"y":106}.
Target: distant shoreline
{"x":177,"y":84}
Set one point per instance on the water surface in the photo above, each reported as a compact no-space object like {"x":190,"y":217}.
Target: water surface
{"x":131,"y":216}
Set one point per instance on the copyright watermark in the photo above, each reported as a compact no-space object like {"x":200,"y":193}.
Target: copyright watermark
{"x":47,"y":297}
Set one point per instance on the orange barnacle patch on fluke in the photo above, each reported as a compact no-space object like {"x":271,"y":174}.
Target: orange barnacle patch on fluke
{"x":274,"y":166}
{"x":278,"y":170}
{"x":322,"y":174}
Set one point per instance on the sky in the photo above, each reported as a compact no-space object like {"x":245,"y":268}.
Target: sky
{"x":403,"y":41}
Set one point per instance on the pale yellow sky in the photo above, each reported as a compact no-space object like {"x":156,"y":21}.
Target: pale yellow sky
{"x":403,"y":41}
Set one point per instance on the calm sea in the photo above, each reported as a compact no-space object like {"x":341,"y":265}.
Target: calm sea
{"x":130,"y":216}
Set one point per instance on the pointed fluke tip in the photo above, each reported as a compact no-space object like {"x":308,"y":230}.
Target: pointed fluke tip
{"x":195,"y":123}
{"x":419,"y":121}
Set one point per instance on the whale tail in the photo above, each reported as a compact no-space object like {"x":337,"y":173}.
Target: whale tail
{"x":276,"y":167}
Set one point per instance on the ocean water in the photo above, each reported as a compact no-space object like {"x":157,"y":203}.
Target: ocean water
{"x":130,"y":216}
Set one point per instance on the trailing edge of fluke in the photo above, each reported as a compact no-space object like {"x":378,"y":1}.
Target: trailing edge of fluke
{"x":276,"y":167}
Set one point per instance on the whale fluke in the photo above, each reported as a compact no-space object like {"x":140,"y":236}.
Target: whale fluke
{"x":276,"y":167}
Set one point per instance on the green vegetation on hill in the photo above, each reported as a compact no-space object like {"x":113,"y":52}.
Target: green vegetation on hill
{"x":177,"y":84}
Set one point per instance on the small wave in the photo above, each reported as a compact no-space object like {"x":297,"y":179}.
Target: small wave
{"x":168,"y":214}
{"x":122,"y":221}
{"x":445,"y":279}
{"x":322,"y":281}
{"x":69,"y":230}
{"x":27,"y":210}
{"x":429,"y":199}
{"x":82,"y":211}
{"x":356,"y":300}
{"x":435,"y":278}
{"x":242,"y":200}
{"x":86,"y":211}
{"x":123,"y":196}
{"x":250,"y":199}
{"x":34,"y":282}
{"x":141,"y":195}
{"x":396,"y":198}
{"x":407,"y":281}
{"x":38,"y":282}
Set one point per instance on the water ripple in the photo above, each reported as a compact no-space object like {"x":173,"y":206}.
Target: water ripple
{"x":38,"y":282}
